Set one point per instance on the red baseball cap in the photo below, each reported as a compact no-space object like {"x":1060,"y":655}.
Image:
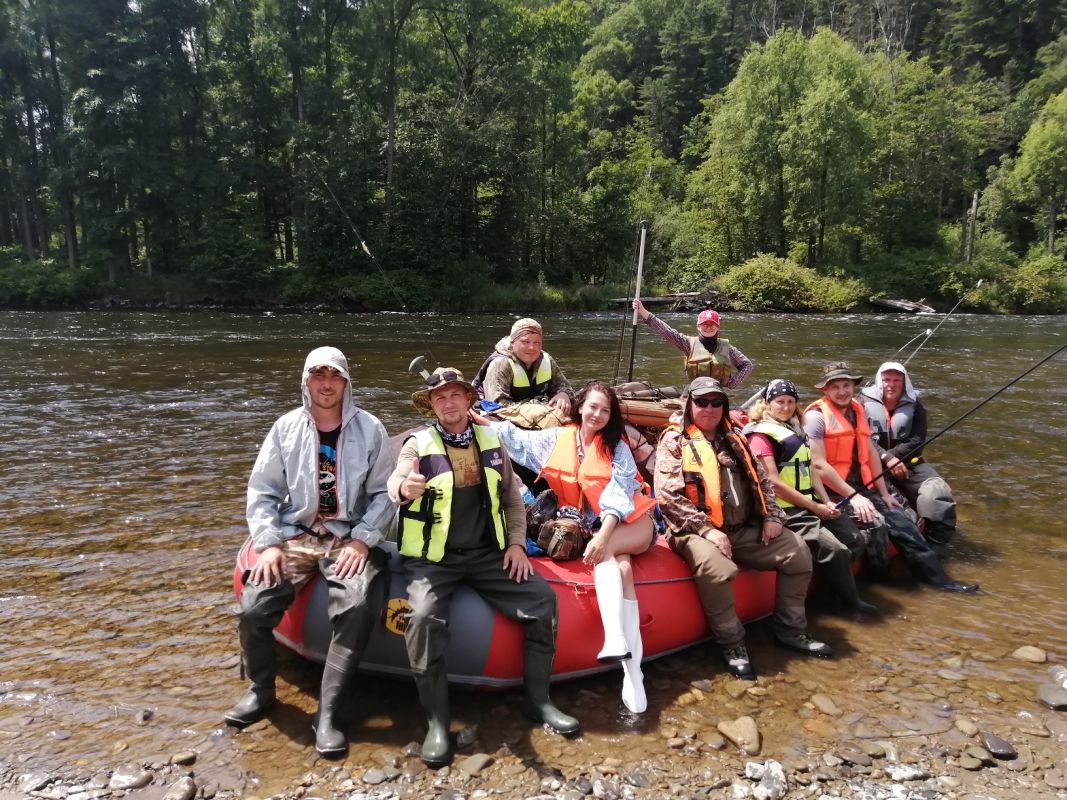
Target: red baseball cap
{"x":707,"y":315}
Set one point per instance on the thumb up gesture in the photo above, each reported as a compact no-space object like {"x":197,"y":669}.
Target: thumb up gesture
{"x":414,"y":485}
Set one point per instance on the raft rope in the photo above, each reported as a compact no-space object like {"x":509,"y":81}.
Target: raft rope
{"x":363,"y":246}
{"x":919,"y":447}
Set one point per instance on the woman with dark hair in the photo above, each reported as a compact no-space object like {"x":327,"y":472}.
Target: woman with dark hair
{"x":588,"y":465}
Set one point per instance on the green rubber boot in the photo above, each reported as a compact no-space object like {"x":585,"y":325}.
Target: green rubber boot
{"x":537,"y":705}
{"x":433,"y":694}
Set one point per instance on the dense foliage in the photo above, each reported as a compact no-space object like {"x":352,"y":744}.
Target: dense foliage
{"x":501,"y":151}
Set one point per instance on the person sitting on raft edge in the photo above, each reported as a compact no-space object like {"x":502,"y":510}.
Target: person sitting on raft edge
{"x":848,"y":463}
{"x":462,"y":520}
{"x":705,"y":354}
{"x":776,"y":438}
{"x":720,"y":512}
{"x":519,"y":370}
{"x":588,"y":465}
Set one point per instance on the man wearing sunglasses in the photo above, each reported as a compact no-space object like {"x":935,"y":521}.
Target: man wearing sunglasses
{"x":317,"y":503}
{"x":720,"y":512}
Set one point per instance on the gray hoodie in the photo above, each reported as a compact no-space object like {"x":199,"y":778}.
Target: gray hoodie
{"x":283,"y":489}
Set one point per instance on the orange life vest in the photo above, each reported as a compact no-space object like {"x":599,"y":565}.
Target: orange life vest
{"x":843,"y":441}
{"x":572,"y":481}
{"x":700,"y":471}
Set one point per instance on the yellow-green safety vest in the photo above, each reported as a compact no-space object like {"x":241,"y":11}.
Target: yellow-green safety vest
{"x":792,"y":457}
{"x":520,"y":381}
{"x":424,"y":522}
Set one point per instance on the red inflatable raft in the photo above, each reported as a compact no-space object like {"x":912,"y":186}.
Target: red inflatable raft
{"x":486,"y":648}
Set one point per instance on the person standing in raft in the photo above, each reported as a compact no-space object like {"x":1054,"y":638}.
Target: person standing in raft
{"x":462,"y":520}
{"x":317,"y":503}
{"x":847,"y":459}
{"x":720,"y":512}
{"x":588,"y":465}
{"x":776,"y":438}
{"x":519,"y":370}
{"x":897,"y":419}
{"x":706,"y":354}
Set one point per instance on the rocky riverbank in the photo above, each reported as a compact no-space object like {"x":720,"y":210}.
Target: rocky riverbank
{"x":906,"y":733}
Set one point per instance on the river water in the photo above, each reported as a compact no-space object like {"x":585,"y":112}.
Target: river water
{"x":126,"y":440}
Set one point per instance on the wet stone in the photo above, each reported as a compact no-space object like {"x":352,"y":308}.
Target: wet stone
{"x":703,"y":685}
{"x":980,"y":753}
{"x":474,"y":764}
{"x":1035,"y":655}
{"x":853,"y":754}
{"x":743,"y":733}
{"x":873,"y":749}
{"x":1057,"y":779}
{"x":374,"y":776}
{"x":714,"y":740}
{"x":826,"y":705}
{"x":966,"y":727}
{"x":182,"y":789}
{"x":637,"y":779}
{"x":1053,"y":696}
{"x":604,"y":789}
{"x":34,"y":781}
{"x":998,"y":747}
{"x":1036,"y":729}
{"x":951,"y":675}
{"x":185,"y":758}
{"x":130,"y":776}
{"x":906,"y":772}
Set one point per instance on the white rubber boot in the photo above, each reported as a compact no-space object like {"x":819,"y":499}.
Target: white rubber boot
{"x":608,"y":582}
{"x":633,"y":680}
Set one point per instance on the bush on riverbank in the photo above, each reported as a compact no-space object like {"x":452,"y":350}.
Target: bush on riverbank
{"x":765,"y":283}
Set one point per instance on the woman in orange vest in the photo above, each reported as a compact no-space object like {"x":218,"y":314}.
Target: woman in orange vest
{"x":588,"y":465}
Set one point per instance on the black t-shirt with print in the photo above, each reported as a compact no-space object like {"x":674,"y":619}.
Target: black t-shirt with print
{"x":328,"y":472}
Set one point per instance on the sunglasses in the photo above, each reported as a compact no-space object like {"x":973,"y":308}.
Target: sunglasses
{"x":704,"y":402}
{"x":441,"y":377}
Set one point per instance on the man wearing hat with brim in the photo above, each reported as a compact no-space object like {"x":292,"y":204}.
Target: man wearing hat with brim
{"x":521,"y":371}
{"x":849,"y":465}
{"x":719,"y":508}
{"x":462,"y":520}
{"x":317,"y":503}
{"x":706,"y":354}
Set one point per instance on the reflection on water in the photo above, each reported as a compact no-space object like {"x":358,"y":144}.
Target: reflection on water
{"x":127,"y":439}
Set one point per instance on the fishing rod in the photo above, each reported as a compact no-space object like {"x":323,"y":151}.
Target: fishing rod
{"x":907,"y":458}
{"x":363,"y":246}
{"x":930,"y":333}
{"x":622,"y":321}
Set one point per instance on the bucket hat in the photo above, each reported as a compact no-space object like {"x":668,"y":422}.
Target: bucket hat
{"x":835,"y":370}
{"x":442,"y":376}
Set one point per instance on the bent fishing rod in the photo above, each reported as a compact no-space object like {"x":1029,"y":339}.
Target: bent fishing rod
{"x":363,"y":246}
{"x":930,"y":333}
{"x":907,"y":458}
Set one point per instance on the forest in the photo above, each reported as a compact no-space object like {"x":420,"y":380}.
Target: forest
{"x":475,"y":155}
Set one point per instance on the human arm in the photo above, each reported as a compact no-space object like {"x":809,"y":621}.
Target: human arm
{"x":516,"y":563}
{"x":405,"y":483}
{"x":680,"y":515}
{"x":743,"y":366}
{"x":911,"y":446}
{"x":529,"y":449}
{"x":267,"y":491}
{"x":372,"y":511}
{"x":668,"y":334}
{"x":879,"y":483}
{"x":559,"y":388}
{"x":814,"y":428}
{"x":497,"y":384}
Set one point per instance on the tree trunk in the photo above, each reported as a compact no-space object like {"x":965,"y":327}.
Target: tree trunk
{"x":1053,"y":213}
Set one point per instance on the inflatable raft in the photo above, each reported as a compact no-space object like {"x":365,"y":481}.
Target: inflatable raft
{"x":486,"y":648}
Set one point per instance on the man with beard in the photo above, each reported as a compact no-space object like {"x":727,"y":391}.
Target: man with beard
{"x":462,"y":520}
{"x":317,"y":503}
{"x":706,"y":354}
{"x":897,"y":419}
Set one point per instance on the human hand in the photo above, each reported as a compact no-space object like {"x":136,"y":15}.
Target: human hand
{"x":478,"y":419}
{"x":561,"y":401}
{"x":596,"y":549}
{"x":891,"y":501}
{"x":772,"y":529}
{"x":721,"y":541}
{"x":826,"y":511}
{"x":269,"y":569}
{"x":897,"y":468}
{"x":516,"y":564}
{"x":351,"y":558}
{"x":863,"y":509}
{"x":639,"y":307}
{"x":414,"y":485}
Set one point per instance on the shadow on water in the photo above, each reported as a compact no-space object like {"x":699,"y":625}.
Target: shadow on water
{"x":128,"y":439}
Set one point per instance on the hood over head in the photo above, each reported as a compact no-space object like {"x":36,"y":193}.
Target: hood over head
{"x":875,"y":390}
{"x":327,"y":357}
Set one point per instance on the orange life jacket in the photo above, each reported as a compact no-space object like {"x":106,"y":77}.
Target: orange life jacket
{"x":843,"y":441}
{"x":700,"y":471}
{"x":572,"y":481}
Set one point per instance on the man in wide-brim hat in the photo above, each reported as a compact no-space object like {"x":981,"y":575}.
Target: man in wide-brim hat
{"x":462,"y":520}
{"x":848,"y":462}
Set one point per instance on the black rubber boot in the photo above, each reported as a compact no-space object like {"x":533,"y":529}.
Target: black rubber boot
{"x":257,"y":653}
{"x":926,"y":567}
{"x":537,"y":705}
{"x":330,"y":741}
{"x":433,"y":694}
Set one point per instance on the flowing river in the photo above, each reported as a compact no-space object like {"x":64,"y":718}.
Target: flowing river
{"x":126,"y":441}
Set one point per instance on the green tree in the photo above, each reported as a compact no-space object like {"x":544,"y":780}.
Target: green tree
{"x":1042,"y":165}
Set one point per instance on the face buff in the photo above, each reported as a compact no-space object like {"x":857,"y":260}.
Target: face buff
{"x":709,"y":342}
{"x":462,"y":439}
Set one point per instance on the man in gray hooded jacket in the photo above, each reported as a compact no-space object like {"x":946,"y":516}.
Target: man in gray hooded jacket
{"x":317,"y":503}
{"x":897,"y":419}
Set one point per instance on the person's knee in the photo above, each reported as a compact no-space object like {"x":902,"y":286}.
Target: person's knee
{"x":626,"y":570}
